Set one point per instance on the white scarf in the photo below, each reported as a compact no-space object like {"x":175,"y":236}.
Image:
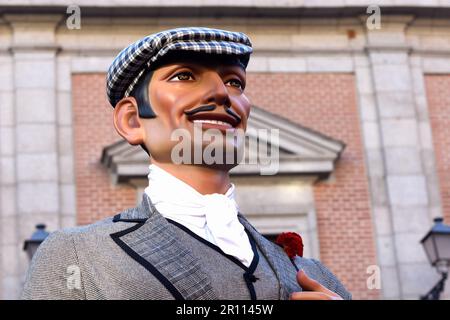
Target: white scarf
{"x":212,"y":217}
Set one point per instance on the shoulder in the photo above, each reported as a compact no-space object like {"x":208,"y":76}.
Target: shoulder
{"x":80,"y":242}
{"x":65,"y":238}
{"x":318,"y":271}
{"x":68,"y":240}
{"x":58,"y":256}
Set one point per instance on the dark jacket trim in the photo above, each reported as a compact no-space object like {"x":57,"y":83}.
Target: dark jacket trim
{"x":118,"y":218}
{"x":209,"y":244}
{"x":249,"y":277}
{"x":147,"y":265}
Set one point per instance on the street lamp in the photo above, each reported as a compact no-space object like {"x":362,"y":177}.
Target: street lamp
{"x":31,"y":245}
{"x":437,"y":247}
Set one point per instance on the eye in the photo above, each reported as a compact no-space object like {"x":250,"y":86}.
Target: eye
{"x":236,"y":83}
{"x":182,"y":76}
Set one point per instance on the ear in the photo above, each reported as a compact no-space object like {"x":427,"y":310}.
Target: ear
{"x":127,"y":121}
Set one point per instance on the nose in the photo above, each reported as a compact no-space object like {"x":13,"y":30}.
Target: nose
{"x":216,"y":91}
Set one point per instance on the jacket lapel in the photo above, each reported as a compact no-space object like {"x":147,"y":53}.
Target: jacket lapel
{"x":279,"y":261}
{"x":151,"y":242}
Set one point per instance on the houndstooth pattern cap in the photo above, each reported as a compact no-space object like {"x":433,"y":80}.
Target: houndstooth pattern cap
{"x":131,"y":62}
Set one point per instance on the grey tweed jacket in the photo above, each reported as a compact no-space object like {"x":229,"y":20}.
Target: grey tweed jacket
{"x":136,"y":255}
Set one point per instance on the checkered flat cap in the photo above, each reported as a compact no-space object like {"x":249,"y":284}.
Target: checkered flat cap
{"x":131,"y":62}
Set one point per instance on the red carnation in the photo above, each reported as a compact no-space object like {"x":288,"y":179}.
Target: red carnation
{"x":292,"y":244}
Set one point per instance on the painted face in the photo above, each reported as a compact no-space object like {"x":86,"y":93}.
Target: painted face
{"x":202,"y":91}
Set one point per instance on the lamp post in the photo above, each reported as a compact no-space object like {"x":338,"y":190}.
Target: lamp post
{"x":436,"y":244}
{"x":31,"y":245}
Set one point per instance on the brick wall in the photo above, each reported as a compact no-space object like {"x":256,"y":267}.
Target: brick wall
{"x":97,"y":197}
{"x":437,"y":88}
{"x":327,"y":103}
{"x":323,"y":102}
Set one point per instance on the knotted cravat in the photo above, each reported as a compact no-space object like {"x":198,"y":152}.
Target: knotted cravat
{"x":212,"y":217}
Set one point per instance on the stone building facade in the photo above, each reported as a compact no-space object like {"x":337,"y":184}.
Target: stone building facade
{"x":363,"y":114}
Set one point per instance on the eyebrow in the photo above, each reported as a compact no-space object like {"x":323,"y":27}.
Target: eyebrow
{"x":195,"y":66}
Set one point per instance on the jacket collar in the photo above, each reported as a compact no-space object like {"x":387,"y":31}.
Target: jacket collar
{"x":278,"y":260}
{"x":151,"y":242}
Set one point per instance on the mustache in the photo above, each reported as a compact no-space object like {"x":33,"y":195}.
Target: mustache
{"x":212,"y":107}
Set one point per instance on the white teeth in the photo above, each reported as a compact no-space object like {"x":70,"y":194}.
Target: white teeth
{"x":212,"y":121}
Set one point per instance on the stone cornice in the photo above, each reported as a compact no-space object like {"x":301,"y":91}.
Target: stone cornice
{"x":33,"y":18}
{"x":233,"y":3}
{"x":231,"y":8}
{"x":388,"y":47}
{"x":33,"y":48}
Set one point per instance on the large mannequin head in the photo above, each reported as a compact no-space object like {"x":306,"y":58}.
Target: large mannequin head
{"x":182,"y":80}
{"x":182,"y":88}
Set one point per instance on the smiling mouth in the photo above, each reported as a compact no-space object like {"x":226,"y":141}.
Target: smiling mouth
{"x":207,"y":118}
{"x":205,"y":124}
{"x":214,"y":122}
